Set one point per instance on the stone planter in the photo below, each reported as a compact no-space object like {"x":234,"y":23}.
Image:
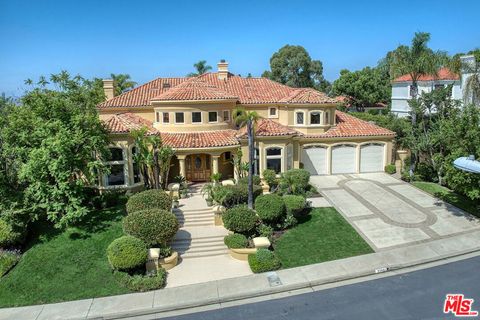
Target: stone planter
{"x":168,"y":263}
{"x":218,"y":211}
{"x":242,"y":253}
{"x":154,"y":262}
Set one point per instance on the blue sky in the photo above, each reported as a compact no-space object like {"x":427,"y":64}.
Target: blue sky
{"x":147,"y":39}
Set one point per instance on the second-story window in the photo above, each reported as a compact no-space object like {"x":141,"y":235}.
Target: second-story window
{"x":273,"y":112}
{"x":300,"y":118}
{"x":315,"y":117}
{"x":179,"y":117}
{"x":226,"y":116}
{"x":166,"y":117}
{"x":196,"y":117}
{"x":212,"y":116}
{"x":157,"y":116}
{"x":411,"y":90}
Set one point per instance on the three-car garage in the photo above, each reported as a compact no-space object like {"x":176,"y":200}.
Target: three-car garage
{"x":344,"y":158}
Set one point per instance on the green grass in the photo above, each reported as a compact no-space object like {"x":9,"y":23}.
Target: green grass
{"x":323,"y":236}
{"x":61,"y":266}
{"x":449,"y":196}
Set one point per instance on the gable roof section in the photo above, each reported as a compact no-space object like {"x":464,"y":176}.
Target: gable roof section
{"x":123,"y":123}
{"x":443,"y":74}
{"x":195,"y":89}
{"x":269,"y":128}
{"x":307,"y":96}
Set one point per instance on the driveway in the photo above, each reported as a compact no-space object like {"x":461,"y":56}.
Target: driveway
{"x":390,"y":213}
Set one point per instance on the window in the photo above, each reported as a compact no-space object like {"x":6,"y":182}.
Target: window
{"x":196,"y":117}
{"x":166,"y":117}
{"x":136,"y":167}
{"x":315,"y":117}
{"x":438,"y":86}
{"x":212,"y":116}
{"x":116,"y":154}
{"x":179,"y":117}
{"x":289,"y":156}
{"x":300,"y":118}
{"x":272,"y":112}
{"x":411,"y":91}
{"x":226,"y":115}
{"x":274,"y":159}
{"x":117,"y":165}
{"x":227,"y":156}
{"x":157,"y":117}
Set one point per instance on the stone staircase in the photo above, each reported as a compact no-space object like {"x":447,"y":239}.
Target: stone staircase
{"x":198,"y":236}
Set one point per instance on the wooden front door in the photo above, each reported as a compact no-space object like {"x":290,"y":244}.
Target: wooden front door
{"x":198,"y":167}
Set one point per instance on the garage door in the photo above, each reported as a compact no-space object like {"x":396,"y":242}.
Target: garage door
{"x":371,"y":157}
{"x":343,"y":159}
{"x":315,"y":160}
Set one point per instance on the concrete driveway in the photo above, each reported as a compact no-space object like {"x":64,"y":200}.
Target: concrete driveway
{"x":390,"y":213}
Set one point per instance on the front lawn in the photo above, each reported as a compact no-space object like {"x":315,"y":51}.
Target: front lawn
{"x":449,"y":196}
{"x":68,"y":265}
{"x":323,"y":236}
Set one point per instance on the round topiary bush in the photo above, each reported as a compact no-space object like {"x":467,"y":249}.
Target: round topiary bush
{"x":149,"y":199}
{"x":235,"y":241}
{"x":127,"y":253}
{"x":8,"y":234}
{"x":270,"y":207}
{"x":294,"y":204}
{"x":240,"y":219}
{"x":154,"y":226}
{"x":264,"y":260}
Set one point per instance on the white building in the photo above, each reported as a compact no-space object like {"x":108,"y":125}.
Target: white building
{"x":402,"y":86}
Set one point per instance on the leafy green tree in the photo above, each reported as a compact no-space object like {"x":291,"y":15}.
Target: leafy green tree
{"x":248,"y":119}
{"x":416,"y":60}
{"x":363,"y":88}
{"x":201,"y":67}
{"x":55,"y":143}
{"x":293,"y":66}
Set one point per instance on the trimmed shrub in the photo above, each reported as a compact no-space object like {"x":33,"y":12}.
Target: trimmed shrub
{"x":290,"y":221}
{"x":270,"y":178}
{"x":235,"y":241}
{"x":390,"y":169}
{"x":9,"y":235}
{"x":230,"y":196}
{"x":256,"y":180}
{"x":270,"y":207}
{"x":296,"y":181}
{"x":240,"y":219}
{"x":154,"y":227}
{"x":294,"y":204}
{"x":8,"y":259}
{"x":149,"y":199}
{"x":127,"y":253}
{"x":138,"y":282}
{"x":264,"y":260}
{"x":265,"y":231}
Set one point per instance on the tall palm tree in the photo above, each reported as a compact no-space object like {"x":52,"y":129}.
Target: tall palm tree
{"x":248,"y":119}
{"x":201,"y":67}
{"x":417,"y":60}
{"x":122,"y":82}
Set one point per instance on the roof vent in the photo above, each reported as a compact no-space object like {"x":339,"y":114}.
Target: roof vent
{"x":166,"y":85}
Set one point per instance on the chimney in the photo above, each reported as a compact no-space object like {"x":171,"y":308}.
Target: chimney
{"x":108,"y":88}
{"x":222,"y":69}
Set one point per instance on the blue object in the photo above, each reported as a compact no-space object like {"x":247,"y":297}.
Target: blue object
{"x":468,"y":164}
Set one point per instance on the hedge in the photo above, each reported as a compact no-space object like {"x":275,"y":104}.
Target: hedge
{"x":154,"y":226}
{"x":127,"y":253}
{"x":138,"y":282}
{"x":230,"y":196}
{"x":263,"y":260}
{"x":9,"y":235}
{"x":149,"y":199}
{"x":235,"y":241}
{"x":240,"y":219}
{"x":294,"y":204}
{"x":256,"y":180}
{"x":270,"y":207}
{"x":390,"y":168}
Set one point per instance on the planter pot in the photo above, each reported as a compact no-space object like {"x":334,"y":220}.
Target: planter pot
{"x":242,"y":253}
{"x":218,"y":219}
{"x":402,"y":154}
{"x":168,"y":263}
{"x":209,"y":202}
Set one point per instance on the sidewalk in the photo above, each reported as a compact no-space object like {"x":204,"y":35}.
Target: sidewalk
{"x":256,"y":285}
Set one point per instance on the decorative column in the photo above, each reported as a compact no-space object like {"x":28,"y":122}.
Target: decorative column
{"x":235,"y":173}
{"x":181,"y":163}
{"x":215,"y":164}
{"x":357,"y":157}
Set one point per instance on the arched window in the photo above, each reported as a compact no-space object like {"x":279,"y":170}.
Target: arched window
{"x":117,"y":164}
{"x":274,"y":159}
{"x":316,"y":117}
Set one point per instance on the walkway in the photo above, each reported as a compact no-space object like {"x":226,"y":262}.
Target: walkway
{"x":390,"y":213}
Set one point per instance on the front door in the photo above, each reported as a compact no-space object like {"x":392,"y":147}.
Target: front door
{"x":198,"y":167}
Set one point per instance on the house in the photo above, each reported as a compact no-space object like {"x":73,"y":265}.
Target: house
{"x":299,"y":127}
{"x":402,"y":86}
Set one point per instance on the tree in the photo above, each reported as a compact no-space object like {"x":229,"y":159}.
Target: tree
{"x":122,"y":83}
{"x":416,"y":60}
{"x":293,"y":66}
{"x":55,"y":144}
{"x":363,"y":88}
{"x":201,"y":67}
{"x":248,"y":119}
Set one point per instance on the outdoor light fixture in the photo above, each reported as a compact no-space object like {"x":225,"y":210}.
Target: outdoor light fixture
{"x":468,"y":164}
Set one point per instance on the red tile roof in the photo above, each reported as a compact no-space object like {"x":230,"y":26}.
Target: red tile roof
{"x":269,"y":128}
{"x":194,"y":89}
{"x":209,"y":87}
{"x":443,"y":74}
{"x":122,"y":123}
{"x":350,"y":126}
{"x":204,"y":139}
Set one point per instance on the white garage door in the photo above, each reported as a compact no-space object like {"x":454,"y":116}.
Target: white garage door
{"x":371,"y":157}
{"x":343,"y":159}
{"x":315,"y":160}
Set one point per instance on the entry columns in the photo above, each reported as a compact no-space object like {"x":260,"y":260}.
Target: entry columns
{"x":215,"y":164}
{"x":181,"y":163}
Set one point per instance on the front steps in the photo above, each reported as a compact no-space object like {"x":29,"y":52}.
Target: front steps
{"x":200,"y":247}
{"x":195,"y":218}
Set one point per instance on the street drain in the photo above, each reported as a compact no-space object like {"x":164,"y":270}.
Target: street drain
{"x":273,"y":279}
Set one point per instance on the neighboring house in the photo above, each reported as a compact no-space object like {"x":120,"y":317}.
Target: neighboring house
{"x":402,"y":86}
{"x":299,"y":127}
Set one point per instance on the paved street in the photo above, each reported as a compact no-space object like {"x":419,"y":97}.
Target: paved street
{"x":390,"y":213}
{"x":415,"y":295}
